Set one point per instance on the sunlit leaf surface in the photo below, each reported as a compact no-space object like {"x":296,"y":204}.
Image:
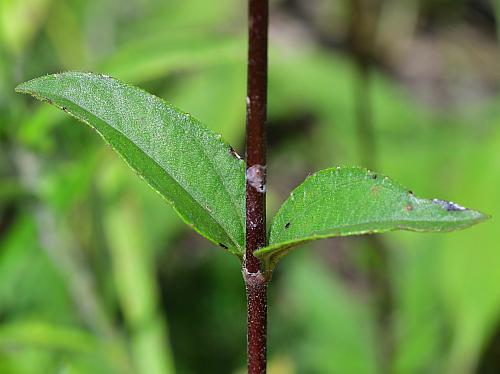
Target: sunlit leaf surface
{"x":181,"y":159}
{"x":352,"y":201}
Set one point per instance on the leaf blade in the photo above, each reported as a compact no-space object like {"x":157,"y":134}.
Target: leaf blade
{"x":353,"y":201}
{"x":189,"y":165}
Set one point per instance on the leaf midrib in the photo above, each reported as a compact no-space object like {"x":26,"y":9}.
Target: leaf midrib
{"x":339,"y":227}
{"x":213,"y":167}
{"x":272,"y":248}
{"x":219,"y":175}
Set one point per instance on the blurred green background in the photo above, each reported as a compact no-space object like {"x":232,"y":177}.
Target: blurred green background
{"x":98,"y":275}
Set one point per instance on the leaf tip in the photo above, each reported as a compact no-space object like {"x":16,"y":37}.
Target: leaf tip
{"x":22,"y":87}
{"x":480,"y":217}
{"x":454,"y":208}
{"x":29,"y":86}
{"x":33,"y":85}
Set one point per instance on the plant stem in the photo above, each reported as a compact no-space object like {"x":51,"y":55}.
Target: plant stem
{"x":255,"y":281}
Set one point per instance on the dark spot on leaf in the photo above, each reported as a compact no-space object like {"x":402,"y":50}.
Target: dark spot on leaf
{"x":64,"y":108}
{"x":450,"y":206}
{"x":374,"y":176}
{"x":287,"y":225}
{"x":233,"y":153}
{"x":410,"y":192}
{"x":223,"y":246}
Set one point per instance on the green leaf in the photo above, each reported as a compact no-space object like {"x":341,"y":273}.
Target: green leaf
{"x":352,"y":201}
{"x":185,"y":162}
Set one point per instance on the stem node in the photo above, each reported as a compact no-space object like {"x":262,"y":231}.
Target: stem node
{"x":254,"y":279}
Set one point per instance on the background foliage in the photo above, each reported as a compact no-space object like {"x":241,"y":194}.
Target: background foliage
{"x":98,"y":275}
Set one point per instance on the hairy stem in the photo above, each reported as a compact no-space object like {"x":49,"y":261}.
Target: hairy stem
{"x":256,"y":283}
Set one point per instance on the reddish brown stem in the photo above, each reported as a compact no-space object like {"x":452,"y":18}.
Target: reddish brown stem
{"x":256,"y":284}
{"x":257,"y":327}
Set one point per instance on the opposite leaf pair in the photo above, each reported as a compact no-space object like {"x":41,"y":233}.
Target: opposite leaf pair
{"x":204,"y":180}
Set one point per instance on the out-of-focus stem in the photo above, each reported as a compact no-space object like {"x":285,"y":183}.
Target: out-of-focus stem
{"x":362,"y":32}
{"x":364,"y":114}
{"x":134,"y":274}
{"x":362,"y":18}
{"x":62,"y":250}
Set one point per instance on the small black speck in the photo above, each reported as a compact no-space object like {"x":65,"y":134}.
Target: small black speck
{"x":233,"y":153}
{"x":374,"y":176}
{"x":410,"y":192}
{"x":64,"y":108}
{"x":223,"y":246}
{"x":287,"y":225}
